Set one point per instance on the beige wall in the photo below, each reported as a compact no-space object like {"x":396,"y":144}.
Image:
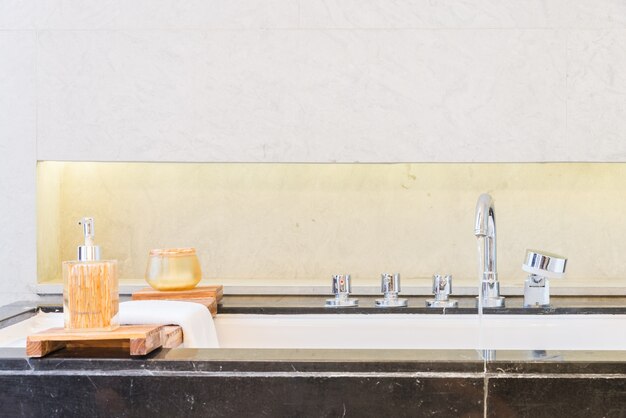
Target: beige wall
{"x":307,"y":221}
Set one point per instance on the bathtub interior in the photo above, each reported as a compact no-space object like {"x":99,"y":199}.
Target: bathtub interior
{"x":392,"y":331}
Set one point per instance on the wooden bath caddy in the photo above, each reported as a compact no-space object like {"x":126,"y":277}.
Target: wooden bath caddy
{"x":209,"y":296}
{"x":140,"y":339}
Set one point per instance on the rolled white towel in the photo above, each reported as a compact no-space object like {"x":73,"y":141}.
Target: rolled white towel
{"x":194,"y":318}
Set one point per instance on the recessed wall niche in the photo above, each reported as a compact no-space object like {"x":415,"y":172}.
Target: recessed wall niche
{"x":305,"y":222}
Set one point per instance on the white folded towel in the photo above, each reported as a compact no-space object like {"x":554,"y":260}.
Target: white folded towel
{"x":194,"y":318}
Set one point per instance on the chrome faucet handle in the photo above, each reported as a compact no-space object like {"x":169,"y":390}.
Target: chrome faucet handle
{"x":341,"y":286}
{"x":544,"y":264}
{"x":442,"y":289}
{"x":389,"y":283}
{"x":541,"y":267}
{"x":442,"y":286}
{"x":342,"y":283}
{"x":390,"y":286}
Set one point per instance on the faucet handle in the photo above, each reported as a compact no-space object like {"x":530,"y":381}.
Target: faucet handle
{"x":390,"y":283}
{"x":390,"y":286}
{"x":442,"y":288}
{"x":342,"y":286}
{"x":544,"y":264}
{"x":541,"y":266}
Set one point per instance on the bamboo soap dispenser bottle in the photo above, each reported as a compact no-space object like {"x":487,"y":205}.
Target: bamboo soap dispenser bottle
{"x":90,"y":288}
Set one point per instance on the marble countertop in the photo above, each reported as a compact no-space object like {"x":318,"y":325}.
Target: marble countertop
{"x":268,"y":304}
{"x":319,"y":361}
{"x":371,"y":286}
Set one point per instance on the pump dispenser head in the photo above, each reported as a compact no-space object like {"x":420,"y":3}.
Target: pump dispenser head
{"x":89,"y":251}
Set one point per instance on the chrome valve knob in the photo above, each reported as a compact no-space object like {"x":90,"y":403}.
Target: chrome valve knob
{"x":442,"y":286}
{"x":342,"y":287}
{"x":442,"y":289}
{"x":389,"y":283}
{"x":342,"y":284}
{"x":541,"y":266}
{"x":390,"y":286}
{"x":544,"y":264}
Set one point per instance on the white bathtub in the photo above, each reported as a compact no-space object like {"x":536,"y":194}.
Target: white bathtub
{"x":395,"y":331}
{"x":415,"y":331}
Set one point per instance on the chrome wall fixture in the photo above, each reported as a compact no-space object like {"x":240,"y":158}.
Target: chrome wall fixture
{"x":485,"y":229}
{"x":442,"y":289}
{"x":541,"y":267}
{"x":342,"y":286}
{"x":390,"y":286}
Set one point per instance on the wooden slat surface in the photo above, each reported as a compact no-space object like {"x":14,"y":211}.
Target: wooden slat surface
{"x":39,"y":348}
{"x":122,"y":333}
{"x":140,"y":346}
{"x":141,"y":339}
{"x":172,"y":336}
{"x":200,"y":292}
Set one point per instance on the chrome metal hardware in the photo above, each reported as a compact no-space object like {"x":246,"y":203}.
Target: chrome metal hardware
{"x":485,"y":230}
{"x":89,"y":251}
{"x":442,"y":288}
{"x":390,"y":286}
{"x":342,"y":287}
{"x":541,"y":266}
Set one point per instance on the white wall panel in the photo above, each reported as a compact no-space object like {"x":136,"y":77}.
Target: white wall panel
{"x":313,"y":96}
{"x":118,"y":95}
{"x":17,"y":165}
{"x":463,"y":14}
{"x":324,"y":81}
{"x":147,"y":14}
{"x":596,"y":96}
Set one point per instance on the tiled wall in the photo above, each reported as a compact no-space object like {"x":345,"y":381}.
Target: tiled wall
{"x":306,"y":81}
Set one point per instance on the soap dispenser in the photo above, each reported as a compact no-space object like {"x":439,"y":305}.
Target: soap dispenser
{"x":90,"y":288}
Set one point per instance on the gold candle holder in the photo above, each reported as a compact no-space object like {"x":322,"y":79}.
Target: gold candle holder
{"x":173,"y":269}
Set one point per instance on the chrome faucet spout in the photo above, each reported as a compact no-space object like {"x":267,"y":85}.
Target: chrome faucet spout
{"x":485,"y":216}
{"x":485,"y":227}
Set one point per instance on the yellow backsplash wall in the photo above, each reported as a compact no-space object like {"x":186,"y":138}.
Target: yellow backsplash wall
{"x":308,"y":221}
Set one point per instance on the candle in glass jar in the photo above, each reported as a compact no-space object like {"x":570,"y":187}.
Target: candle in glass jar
{"x":173,"y":269}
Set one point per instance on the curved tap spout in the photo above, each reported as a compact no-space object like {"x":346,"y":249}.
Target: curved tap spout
{"x":485,"y":216}
{"x":485,"y":228}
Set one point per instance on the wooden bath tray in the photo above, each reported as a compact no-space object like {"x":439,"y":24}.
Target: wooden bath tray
{"x":140,"y":339}
{"x":209,"y":296}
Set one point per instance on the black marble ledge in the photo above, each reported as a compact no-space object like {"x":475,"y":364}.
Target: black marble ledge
{"x":240,"y":396}
{"x":297,"y":310}
{"x":16,"y":312}
{"x":501,"y":363}
{"x":249,"y":361}
{"x":291,"y":305}
{"x":573,"y":362}
{"x":537,"y":396}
